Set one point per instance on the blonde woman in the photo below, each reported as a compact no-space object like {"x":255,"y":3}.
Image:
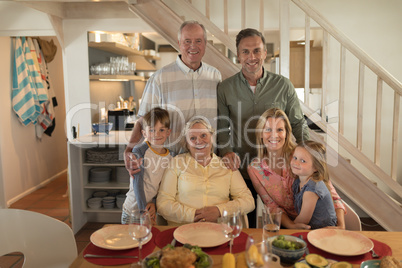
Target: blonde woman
{"x":270,"y":170}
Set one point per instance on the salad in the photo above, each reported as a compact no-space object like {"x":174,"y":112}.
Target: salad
{"x":187,"y":256}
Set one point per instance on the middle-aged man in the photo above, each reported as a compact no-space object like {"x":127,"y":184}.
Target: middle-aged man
{"x":243,"y":97}
{"x":186,"y":88}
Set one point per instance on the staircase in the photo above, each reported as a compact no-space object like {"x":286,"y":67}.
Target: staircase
{"x":381,"y":195}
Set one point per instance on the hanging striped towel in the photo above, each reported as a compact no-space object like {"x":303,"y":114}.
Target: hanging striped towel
{"x":45,"y":119}
{"x":24,"y":97}
{"x":33,"y":65}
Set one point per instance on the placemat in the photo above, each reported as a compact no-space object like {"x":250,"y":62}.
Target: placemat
{"x":379,"y":247}
{"x":239,"y":243}
{"x":147,"y":249}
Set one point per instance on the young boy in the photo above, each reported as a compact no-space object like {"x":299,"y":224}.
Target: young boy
{"x":144,"y":185}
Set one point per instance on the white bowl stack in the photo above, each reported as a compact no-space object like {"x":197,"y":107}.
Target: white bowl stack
{"x":100,"y":174}
{"x":100,"y":194}
{"x":109,"y":202}
{"x":94,"y":202}
{"x":122,"y":175}
{"x":120,"y":200}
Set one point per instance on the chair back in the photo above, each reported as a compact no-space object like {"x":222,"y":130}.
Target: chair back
{"x":44,"y":241}
{"x":352,"y":220}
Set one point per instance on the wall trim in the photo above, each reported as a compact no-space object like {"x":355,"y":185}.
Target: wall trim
{"x":33,"y":189}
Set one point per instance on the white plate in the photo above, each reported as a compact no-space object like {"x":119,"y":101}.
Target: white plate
{"x":340,"y":242}
{"x":204,"y":235}
{"x":157,"y":253}
{"x":115,"y":237}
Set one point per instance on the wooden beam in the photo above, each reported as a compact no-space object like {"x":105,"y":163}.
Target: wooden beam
{"x":284,"y":49}
{"x":57,"y":24}
{"x":225,"y":17}
{"x":395,"y":128}
{"x":262,"y":16}
{"x":324,"y":75}
{"x":378,"y":111}
{"x":243,"y":14}
{"x":360,"y":98}
{"x":342,"y":90}
{"x":307,"y":61}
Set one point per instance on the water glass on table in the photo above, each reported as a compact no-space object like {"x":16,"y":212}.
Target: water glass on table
{"x":139,"y":228}
{"x":271,"y":219}
{"x":231,"y":224}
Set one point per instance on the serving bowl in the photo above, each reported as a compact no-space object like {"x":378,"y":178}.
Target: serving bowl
{"x":286,"y":255}
{"x":101,"y":127}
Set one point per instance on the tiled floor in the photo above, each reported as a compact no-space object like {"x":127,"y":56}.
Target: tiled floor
{"x":52,"y":200}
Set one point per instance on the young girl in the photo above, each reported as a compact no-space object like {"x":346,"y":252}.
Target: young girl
{"x":312,"y":198}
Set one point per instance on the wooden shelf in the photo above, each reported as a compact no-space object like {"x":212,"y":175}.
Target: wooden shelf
{"x":116,"y":77}
{"x":115,"y":48}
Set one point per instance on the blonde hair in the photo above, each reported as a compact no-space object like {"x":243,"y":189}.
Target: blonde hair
{"x":191,"y":123}
{"x":289,"y":144}
{"x":318,"y":154}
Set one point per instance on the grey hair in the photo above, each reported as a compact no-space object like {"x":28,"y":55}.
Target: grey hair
{"x":201,"y":120}
{"x":191,"y":22}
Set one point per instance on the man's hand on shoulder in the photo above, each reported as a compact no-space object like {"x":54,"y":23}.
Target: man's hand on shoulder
{"x":131,"y":162}
{"x":231,"y":161}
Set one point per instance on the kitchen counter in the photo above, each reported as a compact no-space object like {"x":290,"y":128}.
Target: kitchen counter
{"x":113,"y":138}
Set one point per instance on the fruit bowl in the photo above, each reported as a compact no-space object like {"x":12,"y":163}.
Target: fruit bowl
{"x":101,"y":128}
{"x":289,"y":255}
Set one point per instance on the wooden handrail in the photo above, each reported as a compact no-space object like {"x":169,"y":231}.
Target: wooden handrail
{"x":351,"y":46}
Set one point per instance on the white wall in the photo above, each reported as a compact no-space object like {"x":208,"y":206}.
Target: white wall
{"x":26,"y":161}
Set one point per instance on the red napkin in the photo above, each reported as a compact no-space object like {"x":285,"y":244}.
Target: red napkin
{"x":239,"y":243}
{"x":147,"y":249}
{"x":379,"y":247}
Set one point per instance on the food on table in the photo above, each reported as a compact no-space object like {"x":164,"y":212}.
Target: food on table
{"x":302,"y":265}
{"x":172,"y":257}
{"x":316,"y":260}
{"x":280,"y":242}
{"x":254,"y":256}
{"x":228,"y":261}
{"x":341,"y":264}
{"x":390,"y":262}
{"x":241,"y":261}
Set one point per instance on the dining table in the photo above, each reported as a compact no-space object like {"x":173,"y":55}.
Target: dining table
{"x":385,"y":242}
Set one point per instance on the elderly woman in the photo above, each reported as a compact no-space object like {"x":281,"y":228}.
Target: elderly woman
{"x":197,"y":186}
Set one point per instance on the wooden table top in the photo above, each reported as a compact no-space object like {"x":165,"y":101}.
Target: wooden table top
{"x":392,"y":239}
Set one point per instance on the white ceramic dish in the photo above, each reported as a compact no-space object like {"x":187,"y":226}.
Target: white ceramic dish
{"x":204,"y":235}
{"x":340,"y":242}
{"x":115,"y":237}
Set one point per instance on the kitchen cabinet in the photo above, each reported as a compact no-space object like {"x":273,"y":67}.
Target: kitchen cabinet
{"x":81,"y":188}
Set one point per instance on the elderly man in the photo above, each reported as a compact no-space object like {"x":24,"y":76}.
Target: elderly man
{"x":243,"y":97}
{"x":186,"y":88}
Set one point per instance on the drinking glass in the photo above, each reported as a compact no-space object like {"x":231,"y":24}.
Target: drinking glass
{"x":139,"y":228}
{"x":231,"y":224}
{"x":271,"y":218}
{"x":258,"y":256}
